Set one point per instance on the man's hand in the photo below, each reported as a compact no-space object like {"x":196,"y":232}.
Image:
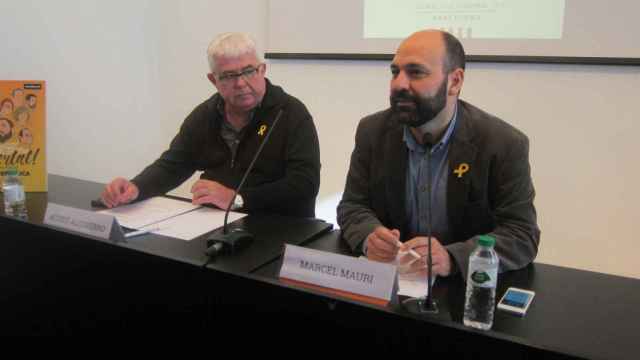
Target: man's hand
{"x":382,"y":244}
{"x":211,"y":192}
{"x":439,"y":255}
{"x":119,"y":191}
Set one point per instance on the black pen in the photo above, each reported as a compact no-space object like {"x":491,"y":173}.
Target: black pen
{"x":97,"y":203}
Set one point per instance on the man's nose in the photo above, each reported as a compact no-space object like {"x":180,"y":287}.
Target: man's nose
{"x":400,"y":81}
{"x":240,"y":81}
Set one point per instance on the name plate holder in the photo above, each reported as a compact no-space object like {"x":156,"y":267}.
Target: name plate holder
{"x":354,"y":278}
{"x":85,"y":222}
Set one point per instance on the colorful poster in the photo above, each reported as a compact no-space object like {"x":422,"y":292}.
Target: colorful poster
{"x":23,"y":132}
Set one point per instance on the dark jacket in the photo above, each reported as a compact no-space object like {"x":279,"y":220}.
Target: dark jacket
{"x":286,"y":176}
{"x":495,"y":196}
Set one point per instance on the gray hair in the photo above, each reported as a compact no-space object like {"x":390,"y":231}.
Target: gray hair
{"x":231,"y":45}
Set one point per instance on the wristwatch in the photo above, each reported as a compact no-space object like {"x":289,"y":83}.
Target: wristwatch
{"x":238,"y":202}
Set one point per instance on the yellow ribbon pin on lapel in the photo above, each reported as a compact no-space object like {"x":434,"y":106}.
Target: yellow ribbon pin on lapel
{"x":262,"y":129}
{"x":462,"y":168}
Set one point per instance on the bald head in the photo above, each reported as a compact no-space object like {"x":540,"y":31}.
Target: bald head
{"x":423,"y":39}
{"x":436,"y":46}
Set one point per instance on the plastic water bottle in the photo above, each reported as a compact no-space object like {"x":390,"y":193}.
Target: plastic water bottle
{"x":14,"y":197}
{"x":481,"y":284}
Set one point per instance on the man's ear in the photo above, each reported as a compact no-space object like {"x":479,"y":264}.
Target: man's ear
{"x":456,"y":79}
{"x":212,"y":78}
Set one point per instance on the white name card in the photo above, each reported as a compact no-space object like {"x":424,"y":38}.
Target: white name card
{"x":344,"y":273}
{"x":83,"y":221}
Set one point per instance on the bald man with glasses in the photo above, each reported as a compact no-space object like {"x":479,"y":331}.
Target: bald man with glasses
{"x":221,"y":136}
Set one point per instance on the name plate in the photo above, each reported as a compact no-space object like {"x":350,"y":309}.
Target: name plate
{"x":83,"y":221}
{"x":349,"y":275}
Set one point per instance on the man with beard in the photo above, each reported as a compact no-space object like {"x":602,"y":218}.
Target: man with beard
{"x":6,"y":130}
{"x":478,"y":176}
{"x":32,"y":101}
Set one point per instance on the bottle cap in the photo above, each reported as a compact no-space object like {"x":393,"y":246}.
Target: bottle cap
{"x":486,"y":240}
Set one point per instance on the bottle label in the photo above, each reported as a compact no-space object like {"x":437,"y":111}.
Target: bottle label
{"x":13,"y":194}
{"x":480,"y":277}
{"x":484,"y":278}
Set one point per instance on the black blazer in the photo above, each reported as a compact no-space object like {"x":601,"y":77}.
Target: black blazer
{"x":494,"y":196}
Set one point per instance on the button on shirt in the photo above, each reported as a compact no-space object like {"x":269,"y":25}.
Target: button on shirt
{"x":416,"y":185}
{"x":231,"y":137}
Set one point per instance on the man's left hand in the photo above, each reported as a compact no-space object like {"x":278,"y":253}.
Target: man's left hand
{"x":439,"y":255}
{"x":211,"y":192}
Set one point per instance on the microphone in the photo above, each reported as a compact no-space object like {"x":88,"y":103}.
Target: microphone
{"x":226,"y":241}
{"x":426,"y":305}
{"x":429,"y":304}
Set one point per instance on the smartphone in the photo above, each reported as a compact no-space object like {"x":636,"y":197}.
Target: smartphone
{"x":516,"y":301}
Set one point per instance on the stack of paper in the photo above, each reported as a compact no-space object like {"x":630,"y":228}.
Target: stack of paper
{"x":170,"y":217}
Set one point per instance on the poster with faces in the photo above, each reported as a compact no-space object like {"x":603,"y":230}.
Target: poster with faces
{"x":23,"y":132}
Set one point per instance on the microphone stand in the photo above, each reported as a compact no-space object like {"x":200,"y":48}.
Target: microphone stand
{"x":238,"y":238}
{"x":426,"y":305}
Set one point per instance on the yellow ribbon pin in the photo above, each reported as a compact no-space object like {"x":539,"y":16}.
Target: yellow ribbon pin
{"x":462,"y":168}
{"x":262,"y":129}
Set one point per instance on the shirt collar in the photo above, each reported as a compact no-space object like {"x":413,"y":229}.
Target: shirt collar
{"x":413,"y":145}
{"x":223,"y":115}
{"x":220,"y":107}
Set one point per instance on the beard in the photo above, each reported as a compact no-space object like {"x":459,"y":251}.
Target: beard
{"x":421,"y":110}
{"x":5,"y":137}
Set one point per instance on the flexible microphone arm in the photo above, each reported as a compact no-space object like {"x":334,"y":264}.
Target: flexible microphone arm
{"x":234,"y":241}
{"x":427,"y":141}
{"x":225,"y":229}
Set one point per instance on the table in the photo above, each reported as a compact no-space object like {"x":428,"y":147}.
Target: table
{"x":56,"y":282}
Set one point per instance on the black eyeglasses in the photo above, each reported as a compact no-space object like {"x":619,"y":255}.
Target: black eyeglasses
{"x":247,"y":73}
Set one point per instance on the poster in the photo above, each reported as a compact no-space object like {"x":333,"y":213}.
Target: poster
{"x":23,"y":132}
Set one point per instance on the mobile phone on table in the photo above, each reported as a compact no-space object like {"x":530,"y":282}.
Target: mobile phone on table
{"x":516,"y":301}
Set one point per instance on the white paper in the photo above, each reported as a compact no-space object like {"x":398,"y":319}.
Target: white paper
{"x":192,"y":224}
{"x":410,"y":284}
{"x":414,"y":284}
{"x":150,"y":211}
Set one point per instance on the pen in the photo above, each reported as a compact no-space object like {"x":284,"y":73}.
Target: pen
{"x":140,"y":232}
{"x":97,"y":203}
{"x":410,"y":251}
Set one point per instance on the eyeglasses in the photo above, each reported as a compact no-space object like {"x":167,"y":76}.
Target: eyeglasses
{"x":247,"y":73}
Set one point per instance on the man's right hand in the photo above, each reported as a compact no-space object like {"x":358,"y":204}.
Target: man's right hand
{"x":382,"y":244}
{"x":119,"y":191}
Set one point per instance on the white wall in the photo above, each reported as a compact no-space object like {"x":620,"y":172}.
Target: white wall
{"x":123,"y":74}
{"x":100,"y":82}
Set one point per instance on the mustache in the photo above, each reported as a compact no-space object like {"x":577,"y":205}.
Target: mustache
{"x":402,"y":95}
{"x":5,"y":137}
